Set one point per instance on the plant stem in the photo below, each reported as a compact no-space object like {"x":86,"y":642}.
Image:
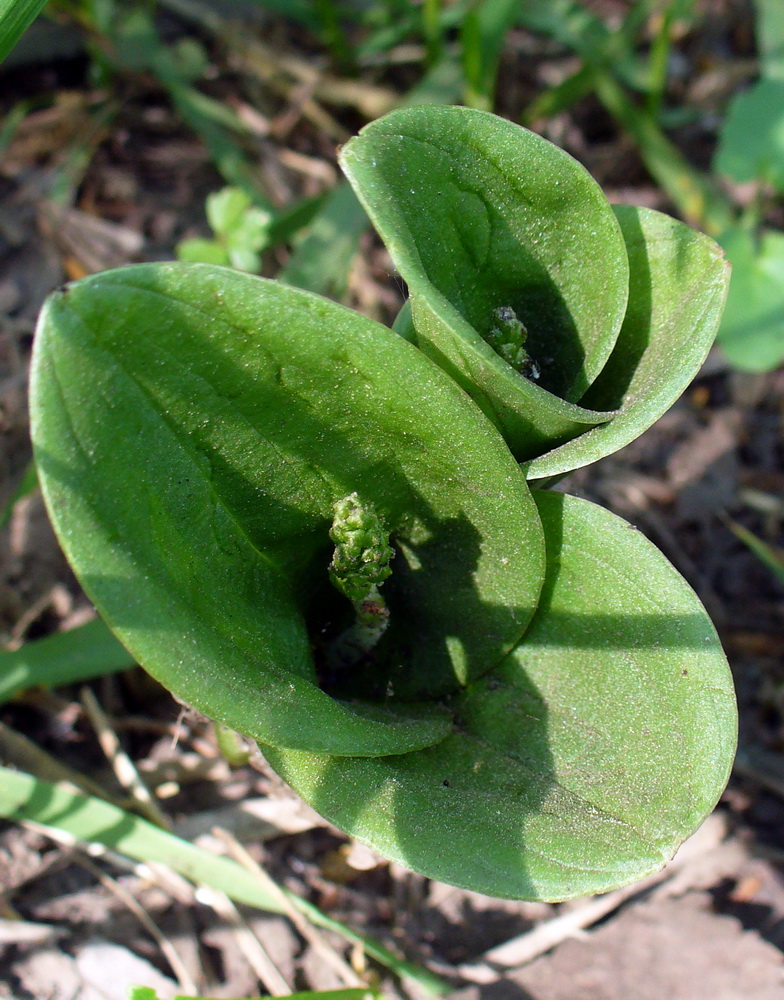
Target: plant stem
{"x":355,"y":642}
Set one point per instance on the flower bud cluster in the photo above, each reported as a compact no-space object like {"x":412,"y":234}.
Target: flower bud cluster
{"x":362,"y":550}
{"x":507,"y":338}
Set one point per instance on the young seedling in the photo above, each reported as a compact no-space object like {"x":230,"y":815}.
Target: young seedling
{"x":241,"y":232}
{"x":539,"y":707}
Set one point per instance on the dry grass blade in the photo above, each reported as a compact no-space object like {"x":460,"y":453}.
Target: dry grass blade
{"x":27,"y":755}
{"x":121,"y":763}
{"x":73,"y":818}
{"x":253,"y":56}
{"x":24,"y":932}
{"x":305,"y":929}
{"x":257,"y":955}
{"x":256,"y":820}
{"x":178,"y":967}
{"x":88,"y":244}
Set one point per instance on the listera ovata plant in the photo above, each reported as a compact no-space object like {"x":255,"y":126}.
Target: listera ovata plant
{"x":335,"y":538}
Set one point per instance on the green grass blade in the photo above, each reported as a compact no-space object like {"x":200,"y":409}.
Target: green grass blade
{"x":482,"y":36}
{"x":13,"y":119}
{"x":658,"y":62}
{"x":697,"y":200}
{"x":575,"y":27}
{"x":332,"y":34}
{"x":559,"y":98}
{"x":79,"y":655}
{"x":608,"y":56}
{"x":771,"y":557}
{"x":294,"y":217}
{"x":138,"y":47}
{"x":24,"y":797}
{"x":16,"y":16}
{"x":442,"y":84}
{"x":432,"y":31}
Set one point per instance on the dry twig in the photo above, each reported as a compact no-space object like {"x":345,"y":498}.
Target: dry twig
{"x":178,"y":967}
{"x":305,"y":929}
{"x":122,"y":764}
{"x":257,"y":955}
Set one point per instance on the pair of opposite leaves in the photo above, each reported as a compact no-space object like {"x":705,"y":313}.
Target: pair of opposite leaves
{"x":550,"y":712}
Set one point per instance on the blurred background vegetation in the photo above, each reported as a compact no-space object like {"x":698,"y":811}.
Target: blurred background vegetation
{"x":693,"y":91}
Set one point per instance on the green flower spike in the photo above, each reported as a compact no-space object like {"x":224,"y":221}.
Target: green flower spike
{"x":362,"y":550}
{"x":360,"y":565}
{"x":507,"y":338}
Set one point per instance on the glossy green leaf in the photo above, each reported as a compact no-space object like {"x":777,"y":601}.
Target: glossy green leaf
{"x":193,"y":427}
{"x":479,"y":214}
{"x":584,"y":759}
{"x":752,"y":328}
{"x":751,"y":142}
{"x":531,"y":419}
{"x":678,"y":283}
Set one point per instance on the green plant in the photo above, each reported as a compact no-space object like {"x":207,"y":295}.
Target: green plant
{"x":241,"y":232}
{"x":540,"y":706}
{"x":749,"y":151}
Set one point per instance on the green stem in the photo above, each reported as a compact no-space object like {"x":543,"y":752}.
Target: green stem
{"x":355,"y":642}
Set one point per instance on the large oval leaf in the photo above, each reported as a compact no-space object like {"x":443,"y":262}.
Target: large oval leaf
{"x":478,"y":214}
{"x":584,"y":759}
{"x":193,"y":427}
{"x":677,"y":286}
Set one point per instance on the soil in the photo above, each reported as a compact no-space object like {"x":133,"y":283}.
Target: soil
{"x":713,"y":928}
